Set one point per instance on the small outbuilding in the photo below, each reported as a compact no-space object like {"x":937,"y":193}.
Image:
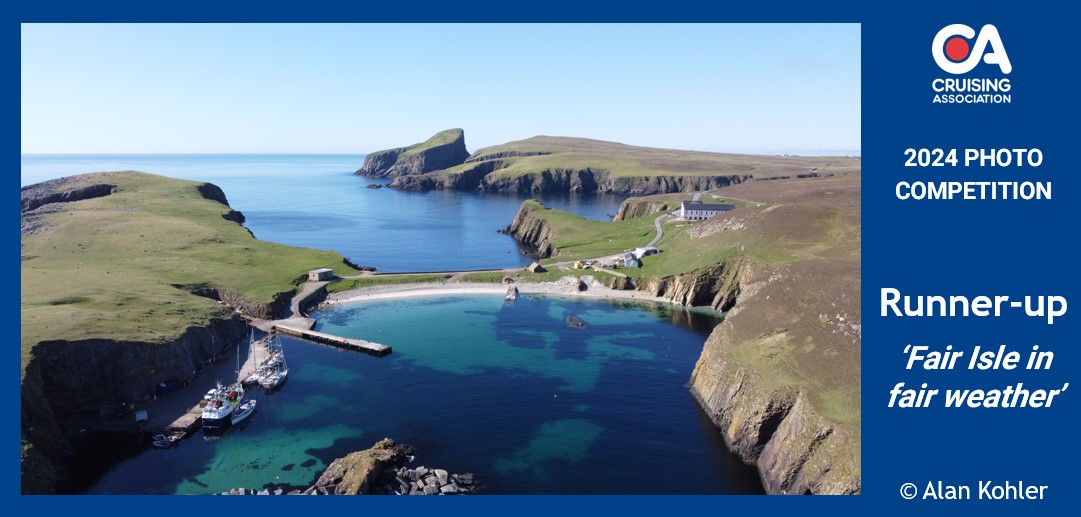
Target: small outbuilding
{"x":645,"y":252}
{"x":319,"y":275}
{"x":629,"y":260}
{"x":536,"y":268}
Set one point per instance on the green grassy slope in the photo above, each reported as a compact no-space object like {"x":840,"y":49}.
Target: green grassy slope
{"x":104,"y":267}
{"x":441,"y":138}
{"x":632,"y":161}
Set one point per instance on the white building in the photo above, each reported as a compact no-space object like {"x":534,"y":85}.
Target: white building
{"x":645,"y":252}
{"x":694,"y":211}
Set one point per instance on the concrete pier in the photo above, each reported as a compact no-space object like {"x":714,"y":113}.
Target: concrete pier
{"x":358,"y":345}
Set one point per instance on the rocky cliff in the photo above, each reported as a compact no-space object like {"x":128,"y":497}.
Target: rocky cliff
{"x":444,"y":150}
{"x":67,"y":382}
{"x":61,"y":190}
{"x":485,"y":176}
{"x":752,"y":378}
{"x":638,"y":207}
{"x":470,"y":176}
{"x":532,"y":229}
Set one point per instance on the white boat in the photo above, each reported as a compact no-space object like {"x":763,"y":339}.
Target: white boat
{"x":274,"y":371}
{"x":163,"y":441}
{"x":253,"y":379}
{"x":219,"y":410}
{"x":243,"y":412}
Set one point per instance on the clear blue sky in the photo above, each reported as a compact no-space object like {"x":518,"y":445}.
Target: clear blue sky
{"x":358,"y":88}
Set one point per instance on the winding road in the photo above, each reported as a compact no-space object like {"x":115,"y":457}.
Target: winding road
{"x":455,"y":276}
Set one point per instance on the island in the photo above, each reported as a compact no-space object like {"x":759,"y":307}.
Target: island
{"x":149,"y":278}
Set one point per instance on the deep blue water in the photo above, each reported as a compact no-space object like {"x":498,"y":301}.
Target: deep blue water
{"x":508,"y":391}
{"x":315,"y":201}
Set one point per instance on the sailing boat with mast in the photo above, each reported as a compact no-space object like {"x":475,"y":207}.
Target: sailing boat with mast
{"x":253,"y":351}
{"x":276,"y":370}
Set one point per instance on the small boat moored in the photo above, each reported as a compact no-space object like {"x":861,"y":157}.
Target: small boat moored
{"x":243,"y":412}
{"x":163,"y":441}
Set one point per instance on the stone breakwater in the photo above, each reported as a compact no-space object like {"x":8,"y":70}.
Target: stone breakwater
{"x":425,"y":481}
{"x":403,"y":481}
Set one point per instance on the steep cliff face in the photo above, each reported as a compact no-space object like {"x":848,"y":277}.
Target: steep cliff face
{"x":66,"y":381}
{"x":469,"y":177}
{"x":751,"y":380}
{"x":54,"y":191}
{"x":716,"y":286}
{"x":638,"y":207}
{"x":444,"y":150}
{"x":484,"y":176}
{"x":531,"y":228}
{"x":483,"y":156}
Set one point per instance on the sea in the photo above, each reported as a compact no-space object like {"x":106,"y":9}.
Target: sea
{"x":315,"y":201}
{"x":506,"y":390}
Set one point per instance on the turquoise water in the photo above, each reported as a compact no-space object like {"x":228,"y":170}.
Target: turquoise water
{"x":315,"y":201}
{"x":508,"y":391}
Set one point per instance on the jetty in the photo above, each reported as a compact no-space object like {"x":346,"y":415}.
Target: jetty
{"x":293,"y":322}
{"x":357,"y":345}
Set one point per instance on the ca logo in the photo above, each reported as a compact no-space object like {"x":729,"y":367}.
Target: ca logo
{"x":954,"y":55}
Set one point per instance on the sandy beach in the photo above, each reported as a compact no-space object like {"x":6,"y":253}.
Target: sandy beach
{"x":566,"y":286}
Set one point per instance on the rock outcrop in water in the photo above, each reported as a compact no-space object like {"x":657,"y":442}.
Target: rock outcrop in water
{"x":444,"y":150}
{"x":532,"y":229}
{"x":380,"y":470}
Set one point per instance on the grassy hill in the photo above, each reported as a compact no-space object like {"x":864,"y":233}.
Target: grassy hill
{"x":122,"y":266}
{"x":554,"y":152}
{"x":445,"y":137}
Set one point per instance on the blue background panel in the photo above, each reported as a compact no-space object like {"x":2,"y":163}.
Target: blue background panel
{"x":921,"y":247}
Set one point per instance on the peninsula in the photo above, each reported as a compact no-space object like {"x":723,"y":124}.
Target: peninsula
{"x":566,"y":164}
{"x":140,"y":276}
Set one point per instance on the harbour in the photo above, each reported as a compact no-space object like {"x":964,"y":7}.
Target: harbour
{"x":562,"y":386}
